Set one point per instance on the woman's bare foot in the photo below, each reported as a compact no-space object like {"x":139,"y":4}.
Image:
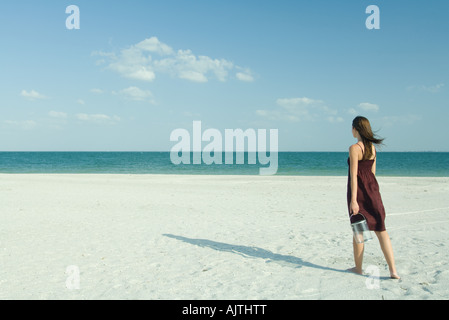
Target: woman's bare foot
{"x":395,"y":276}
{"x":356,"y":270}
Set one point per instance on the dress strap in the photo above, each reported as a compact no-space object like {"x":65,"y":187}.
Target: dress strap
{"x":363,"y":152}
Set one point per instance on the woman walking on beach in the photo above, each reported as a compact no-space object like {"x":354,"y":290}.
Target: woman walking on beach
{"x":363,"y":192}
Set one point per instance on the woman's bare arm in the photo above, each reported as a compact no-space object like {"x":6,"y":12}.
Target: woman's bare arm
{"x":353,"y":168}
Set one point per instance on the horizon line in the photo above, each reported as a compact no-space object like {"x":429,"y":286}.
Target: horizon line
{"x":164,"y":151}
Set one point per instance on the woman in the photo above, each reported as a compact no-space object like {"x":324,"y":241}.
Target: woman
{"x":363,"y":192}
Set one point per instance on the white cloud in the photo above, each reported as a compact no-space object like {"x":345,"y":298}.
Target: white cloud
{"x":192,"y":76}
{"x":58,"y":115}
{"x":97,"y":91}
{"x":300,"y":109}
{"x":294,"y":103}
{"x":136,"y":94}
{"x":32,"y":95}
{"x":409,"y":119}
{"x":149,"y":57}
{"x":81,"y":102}
{"x":131,"y":63}
{"x":154,"y":45}
{"x":366,"y":106}
{"x":104,"y":55}
{"x":24,"y":125}
{"x":187,"y":66}
{"x":333,"y":119}
{"x":432,"y":89}
{"x":296,"y":109}
{"x":244,"y":74}
{"x":136,"y":72}
{"x":352,"y":111}
{"x":98,"y":118}
{"x":277,"y":115}
{"x":244,"y":77}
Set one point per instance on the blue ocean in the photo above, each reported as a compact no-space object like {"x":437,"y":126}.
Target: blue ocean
{"x":409,"y":164}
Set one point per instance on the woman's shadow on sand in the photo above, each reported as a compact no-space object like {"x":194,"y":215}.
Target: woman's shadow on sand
{"x":254,"y":252}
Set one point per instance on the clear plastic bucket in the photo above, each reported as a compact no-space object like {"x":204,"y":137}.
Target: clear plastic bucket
{"x":360,"y":229}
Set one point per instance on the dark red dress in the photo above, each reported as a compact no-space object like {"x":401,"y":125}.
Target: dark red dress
{"x":368,"y":196}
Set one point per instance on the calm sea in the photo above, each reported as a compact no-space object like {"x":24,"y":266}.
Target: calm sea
{"x":412,"y":164}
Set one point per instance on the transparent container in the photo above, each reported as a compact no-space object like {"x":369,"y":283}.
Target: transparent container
{"x":360,"y":229}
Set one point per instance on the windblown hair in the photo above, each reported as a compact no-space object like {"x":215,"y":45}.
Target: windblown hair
{"x":363,"y":127}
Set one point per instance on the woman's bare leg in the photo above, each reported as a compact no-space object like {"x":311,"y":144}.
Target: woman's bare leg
{"x":358,"y":256}
{"x":387,"y":249}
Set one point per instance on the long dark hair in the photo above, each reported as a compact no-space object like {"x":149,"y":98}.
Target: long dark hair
{"x":363,"y":127}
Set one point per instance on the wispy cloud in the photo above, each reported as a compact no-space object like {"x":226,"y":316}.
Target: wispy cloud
{"x":58,"y":115}
{"x":432,"y":89}
{"x":300,"y":109}
{"x":23,"y":124}
{"x":96,"y":91}
{"x":245,"y":75}
{"x":144,"y":60}
{"x":97,"y":118}
{"x":32,"y":95}
{"x":409,"y":119}
{"x":364,"y":107}
{"x":136,"y":94}
{"x":94,"y":118}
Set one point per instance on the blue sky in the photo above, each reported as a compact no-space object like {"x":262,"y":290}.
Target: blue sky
{"x":137,"y":70}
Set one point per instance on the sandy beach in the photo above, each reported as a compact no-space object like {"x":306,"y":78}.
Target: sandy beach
{"x":213,"y":237}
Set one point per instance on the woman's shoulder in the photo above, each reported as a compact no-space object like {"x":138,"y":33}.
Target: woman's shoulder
{"x":355,"y":147}
{"x":359,"y":151}
{"x":355,"y":152}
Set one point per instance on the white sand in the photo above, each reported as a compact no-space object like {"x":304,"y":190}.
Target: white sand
{"x":213,"y":237}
